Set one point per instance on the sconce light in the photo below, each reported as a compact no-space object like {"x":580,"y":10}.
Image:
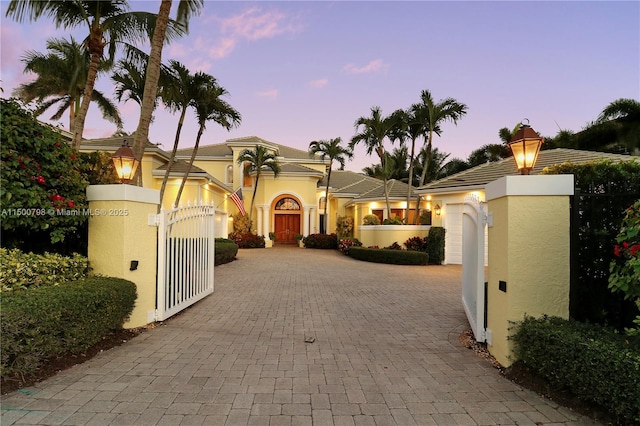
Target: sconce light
{"x":125,"y":162}
{"x":525,"y":146}
{"x":438,"y":209}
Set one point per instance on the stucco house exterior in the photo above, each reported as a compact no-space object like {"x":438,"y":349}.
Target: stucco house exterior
{"x":450,"y":192}
{"x":291,"y":204}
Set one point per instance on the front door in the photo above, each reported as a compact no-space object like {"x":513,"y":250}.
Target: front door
{"x":286,"y":227}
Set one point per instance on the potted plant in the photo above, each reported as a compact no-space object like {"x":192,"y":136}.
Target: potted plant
{"x":299,"y":237}
{"x":272,"y":236}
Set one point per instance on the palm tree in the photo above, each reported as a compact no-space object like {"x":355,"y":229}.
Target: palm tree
{"x":108,"y":23}
{"x":256,"y":161}
{"x":331,"y":150}
{"x":374,"y":130}
{"x":434,"y":114}
{"x":179,"y":91}
{"x":61,"y":76}
{"x":209,"y":107}
{"x":185,"y":9}
{"x":626,"y":112}
{"x":129,"y":82}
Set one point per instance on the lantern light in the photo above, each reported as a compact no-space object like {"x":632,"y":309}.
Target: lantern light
{"x":525,"y":146}
{"x":125,"y":162}
{"x":438,"y":210}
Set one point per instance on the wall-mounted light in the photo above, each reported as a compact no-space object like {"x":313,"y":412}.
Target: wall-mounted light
{"x":525,"y":146}
{"x":125,"y":162}
{"x":438,"y":209}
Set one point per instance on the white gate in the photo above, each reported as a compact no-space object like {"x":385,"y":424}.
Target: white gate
{"x":473,"y":287}
{"x":185,"y":258}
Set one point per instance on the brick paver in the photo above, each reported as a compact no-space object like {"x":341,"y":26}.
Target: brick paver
{"x":386,"y":352}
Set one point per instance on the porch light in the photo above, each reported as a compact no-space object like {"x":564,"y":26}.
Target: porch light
{"x":525,"y":146}
{"x":125,"y":162}
{"x":438,"y":209}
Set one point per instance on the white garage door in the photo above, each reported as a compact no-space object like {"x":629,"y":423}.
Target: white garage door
{"x":453,"y":236}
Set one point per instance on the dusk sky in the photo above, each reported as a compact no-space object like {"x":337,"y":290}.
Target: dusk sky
{"x":303,"y":71}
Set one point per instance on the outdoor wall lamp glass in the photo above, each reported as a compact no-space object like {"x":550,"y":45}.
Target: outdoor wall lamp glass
{"x":438,"y":209}
{"x":525,"y":146}
{"x":125,"y":163}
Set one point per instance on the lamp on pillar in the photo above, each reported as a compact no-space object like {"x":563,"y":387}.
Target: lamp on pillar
{"x":525,"y":146}
{"x":125,"y":162}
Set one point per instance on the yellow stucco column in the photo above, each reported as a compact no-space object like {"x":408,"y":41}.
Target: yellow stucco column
{"x":120,"y":233}
{"x":528,"y":274}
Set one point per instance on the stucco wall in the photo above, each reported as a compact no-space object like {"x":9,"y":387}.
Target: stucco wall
{"x":385,"y":235}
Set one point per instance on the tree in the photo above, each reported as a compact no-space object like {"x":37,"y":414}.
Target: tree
{"x":61,"y":79}
{"x":108,"y":23}
{"x":257,"y":161}
{"x":626,"y":113}
{"x":331,"y":150}
{"x":209,"y":107}
{"x":374,"y":130}
{"x":433,"y":115}
{"x":185,"y":9}
{"x":41,"y":177}
{"x":180,"y":90}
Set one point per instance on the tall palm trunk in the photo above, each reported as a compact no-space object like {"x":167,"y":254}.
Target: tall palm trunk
{"x":326,"y":200}
{"x":423,"y":177}
{"x":193,"y":157}
{"x":411,"y":160}
{"x":172,"y":159}
{"x":255,"y":191}
{"x":81,"y":116}
{"x":151,"y":83}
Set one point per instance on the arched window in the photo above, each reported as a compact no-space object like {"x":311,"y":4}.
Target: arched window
{"x":229,"y":174}
{"x":287,"y":204}
{"x":321,"y":202}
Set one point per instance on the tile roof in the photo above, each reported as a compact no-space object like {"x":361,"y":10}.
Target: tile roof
{"x":478,"y":177}
{"x":223,"y":149}
{"x":396,"y":190}
{"x":362,"y":187}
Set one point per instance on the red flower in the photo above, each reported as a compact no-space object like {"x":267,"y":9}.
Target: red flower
{"x":73,"y":156}
{"x":57,"y":197}
{"x":57,"y":144}
{"x":635,"y":249}
{"x":616,"y":251}
{"x":40,"y":180}
{"x":625,"y":245}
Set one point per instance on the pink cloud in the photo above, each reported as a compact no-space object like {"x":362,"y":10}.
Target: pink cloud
{"x":269,"y":94}
{"x":319,"y":83}
{"x":377,"y":65}
{"x":223,"y":48}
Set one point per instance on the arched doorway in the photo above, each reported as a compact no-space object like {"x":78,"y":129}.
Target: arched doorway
{"x":286,"y":221}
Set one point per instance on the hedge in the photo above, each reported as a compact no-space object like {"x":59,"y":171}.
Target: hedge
{"x":20,"y":270}
{"x":40,"y":323}
{"x":321,"y":241}
{"x":436,"y":245}
{"x":396,"y":257}
{"x":248,"y":240}
{"x":226,"y":251}
{"x":594,"y":363}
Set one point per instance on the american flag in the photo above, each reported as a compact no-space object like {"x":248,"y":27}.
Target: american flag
{"x":236,"y":197}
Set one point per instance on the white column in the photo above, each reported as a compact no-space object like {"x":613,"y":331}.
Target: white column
{"x":305,"y":221}
{"x":266,"y":212}
{"x":259,"y":226}
{"x":312,"y":220}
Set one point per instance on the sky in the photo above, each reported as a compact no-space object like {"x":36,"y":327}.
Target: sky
{"x":301,"y":71}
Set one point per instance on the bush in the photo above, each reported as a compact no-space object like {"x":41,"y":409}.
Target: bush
{"x":321,"y":241}
{"x":395,"y":221}
{"x":594,"y":363}
{"x":241,"y":223}
{"x":41,"y":323}
{"x":425,"y":217}
{"x":436,"y":245}
{"x":625,"y":269}
{"x":394,"y":246}
{"x":345,"y":244}
{"x":344,"y":226}
{"x":371,"y":219}
{"x":396,"y":257}
{"x":248,"y":240}
{"x":226,"y":251}
{"x":20,"y":270}
{"x":417,"y":244}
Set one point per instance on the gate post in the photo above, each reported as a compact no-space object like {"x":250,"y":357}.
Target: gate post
{"x":529,"y":254}
{"x":120,"y":234}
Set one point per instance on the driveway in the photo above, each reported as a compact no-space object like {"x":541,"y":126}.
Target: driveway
{"x":297,"y":337}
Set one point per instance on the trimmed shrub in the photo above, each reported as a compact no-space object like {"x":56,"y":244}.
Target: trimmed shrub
{"x":248,"y":240}
{"x":594,"y":363}
{"x":371,"y":219}
{"x":40,"y":323}
{"x":417,"y":244}
{"x":321,"y":241}
{"x":395,"y":221}
{"x":344,"y":226}
{"x":425,"y":217}
{"x":20,"y":270}
{"x":436,"y":245}
{"x":345,"y":244}
{"x":395,"y":257}
{"x":394,"y":246}
{"x":226,"y":251}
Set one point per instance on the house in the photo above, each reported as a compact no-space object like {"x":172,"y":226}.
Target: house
{"x":291,"y":204}
{"x":450,"y":192}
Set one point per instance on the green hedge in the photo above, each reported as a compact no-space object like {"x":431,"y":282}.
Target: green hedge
{"x":40,"y":323}
{"x":321,"y":241}
{"x":396,"y":257}
{"x":592,"y":362}
{"x":226,"y":251}
{"x":20,"y":270}
{"x":436,"y":245}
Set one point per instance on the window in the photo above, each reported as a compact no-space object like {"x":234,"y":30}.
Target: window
{"x":287,"y":204}
{"x":247,"y":181}
{"x":229,"y":174}
{"x":378,"y":213}
{"x":321,"y":202}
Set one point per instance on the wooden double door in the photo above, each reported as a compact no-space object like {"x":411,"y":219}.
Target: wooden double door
{"x":286,"y":227}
